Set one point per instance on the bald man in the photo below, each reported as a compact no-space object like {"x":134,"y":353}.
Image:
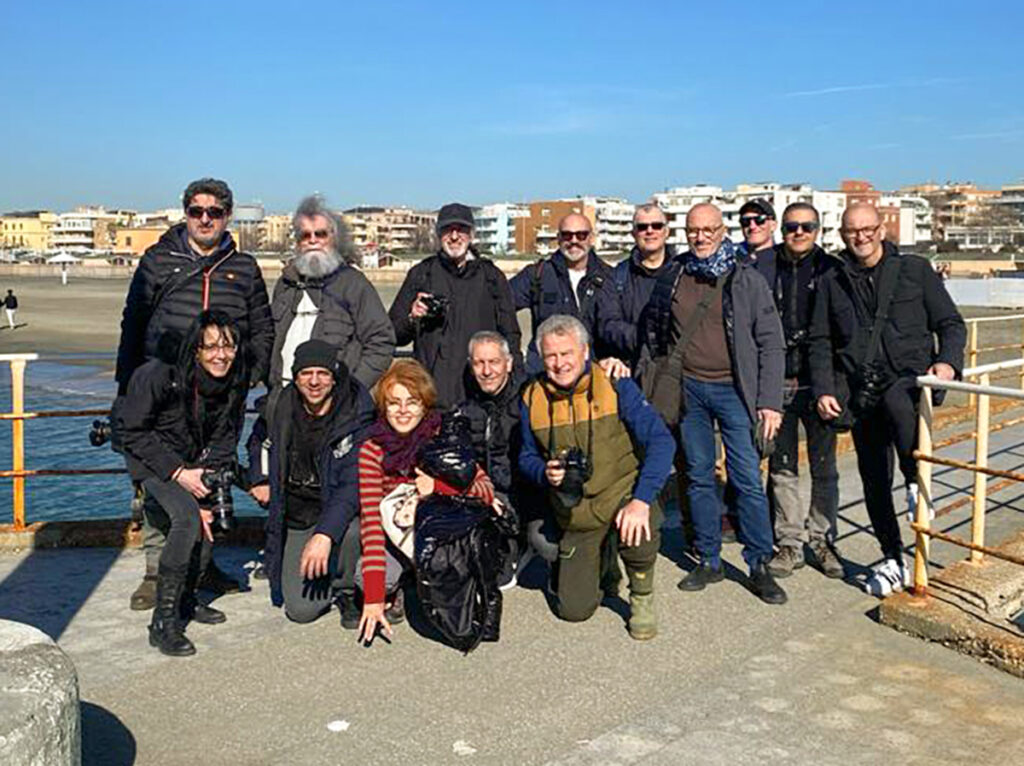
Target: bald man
{"x":717,"y":313}
{"x":920,"y":331}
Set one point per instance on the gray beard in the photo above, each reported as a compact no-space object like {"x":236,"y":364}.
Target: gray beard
{"x":317,"y":263}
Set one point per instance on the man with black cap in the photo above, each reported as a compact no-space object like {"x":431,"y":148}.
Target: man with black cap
{"x":303,"y":469}
{"x":758,"y":223}
{"x":449,"y":296}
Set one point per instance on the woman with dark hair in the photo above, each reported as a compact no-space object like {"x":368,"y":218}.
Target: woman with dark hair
{"x":179,"y":421}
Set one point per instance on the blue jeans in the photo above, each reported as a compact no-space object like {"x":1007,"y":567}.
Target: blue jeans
{"x":706,"y":404}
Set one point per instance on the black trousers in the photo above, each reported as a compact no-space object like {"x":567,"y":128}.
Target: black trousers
{"x":886,"y":432}
{"x":176,"y":514}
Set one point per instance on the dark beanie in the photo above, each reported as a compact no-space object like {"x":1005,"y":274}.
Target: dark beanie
{"x":315,"y":353}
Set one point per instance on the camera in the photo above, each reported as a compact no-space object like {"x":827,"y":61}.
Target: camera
{"x":872,"y":381}
{"x":219,"y":501}
{"x":795,"y":344}
{"x":578,"y":470}
{"x":437,"y":306}
{"x":100,"y":433}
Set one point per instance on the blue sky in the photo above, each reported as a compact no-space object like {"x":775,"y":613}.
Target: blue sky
{"x":420,"y":103}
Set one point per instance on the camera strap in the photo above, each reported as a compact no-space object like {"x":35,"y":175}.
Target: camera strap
{"x":888,"y":278}
{"x":675,"y":361}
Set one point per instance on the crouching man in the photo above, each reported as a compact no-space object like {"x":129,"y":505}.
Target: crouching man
{"x":303,"y":468}
{"x":582,"y":433}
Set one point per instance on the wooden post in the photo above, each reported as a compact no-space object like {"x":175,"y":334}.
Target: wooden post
{"x":18,"y":439}
{"x":972,"y":358}
{"x":981,"y":425}
{"x":924,"y":496}
{"x":1022,"y":355}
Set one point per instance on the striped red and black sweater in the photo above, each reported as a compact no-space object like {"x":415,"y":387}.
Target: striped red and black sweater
{"x":374,"y":486}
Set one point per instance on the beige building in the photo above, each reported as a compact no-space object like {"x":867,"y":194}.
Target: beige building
{"x":394,"y":229}
{"x":29,"y":230}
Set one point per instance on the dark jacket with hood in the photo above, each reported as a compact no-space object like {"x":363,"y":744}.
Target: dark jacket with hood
{"x":634,"y":284}
{"x":920,"y":312}
{"x":172,"y":285}
{"x":494,"y":428}
{"x":351,"y":317}
{"x":545,"y":289}
{"x":752,"y":331}
{"x":480,"y":299}
{"x":352,"y":411}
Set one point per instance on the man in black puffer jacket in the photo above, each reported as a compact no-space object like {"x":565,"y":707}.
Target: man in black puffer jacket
{"x":194,"y":267}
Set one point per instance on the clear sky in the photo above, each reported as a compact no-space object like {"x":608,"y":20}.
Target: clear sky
{"x":122,"y":104}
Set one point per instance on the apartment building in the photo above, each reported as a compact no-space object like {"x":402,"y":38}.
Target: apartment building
{"x":89,"y":229}
{"x":538,"y":231}
{"x":394,"y":229}
{"x":27,"y":229}
{"x":496,"y":227}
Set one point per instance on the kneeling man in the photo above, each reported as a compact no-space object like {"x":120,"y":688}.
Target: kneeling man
{"x":582,"y":436}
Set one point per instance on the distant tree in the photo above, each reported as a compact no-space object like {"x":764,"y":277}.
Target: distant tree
{"x":423,"y":239}
{"x":947,"y":247}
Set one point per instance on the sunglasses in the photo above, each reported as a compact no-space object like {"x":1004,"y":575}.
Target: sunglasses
{"x":748,"y":220}
{"x":196,"y":211}
{"x":654,"y":226}
{"x":807,"y":227}
{"x":457,"y":228}
{"x":319,"y":234}
{"x":569,"y":236}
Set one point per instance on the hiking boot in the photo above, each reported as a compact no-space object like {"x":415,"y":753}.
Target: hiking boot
{"x":643,"y":623}
{"x":786,"y":561}
{"x":216,"y":581}
{"x":350,"y":613}
{"x":144,"y":596}
{"x":828,"y":559}
{"x":701,"y":577}
{"x":890,"y":576}
{"x":167,"y":629}
{"x":192,"y":610}
{"x":395,"y":612}
{"x":765,"y":587}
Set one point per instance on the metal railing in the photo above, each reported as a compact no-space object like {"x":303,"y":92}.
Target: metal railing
{"x":973,"y":350}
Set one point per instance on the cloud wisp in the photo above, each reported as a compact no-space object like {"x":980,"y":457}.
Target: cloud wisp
{"x":831,"y":89}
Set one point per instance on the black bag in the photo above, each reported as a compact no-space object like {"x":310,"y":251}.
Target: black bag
{"x":449,"y":456}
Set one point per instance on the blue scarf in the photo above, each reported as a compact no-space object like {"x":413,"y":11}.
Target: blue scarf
{"x":714,"y":266}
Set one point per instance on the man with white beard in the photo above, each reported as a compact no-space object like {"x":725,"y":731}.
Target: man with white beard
{"x":321,"y":296}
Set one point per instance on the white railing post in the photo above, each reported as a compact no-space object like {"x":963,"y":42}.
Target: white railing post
{"x":981,"y":425}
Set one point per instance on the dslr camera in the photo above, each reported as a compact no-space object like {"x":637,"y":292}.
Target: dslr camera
{"x":872,"y":381}
{"x":219,"y":501}
{"x":437,"y":307}
{"x":795,"y":343}
{"x":578,"y":470}
{"x":100,"y":433}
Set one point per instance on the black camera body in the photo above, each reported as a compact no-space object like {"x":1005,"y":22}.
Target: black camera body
{"x":436,"y":305}
{"x":796,"y":342}
{"x":100,"y":433}
{"x":872,"y":381}
{"x":219,"y":501}
{"x":578,"y":471}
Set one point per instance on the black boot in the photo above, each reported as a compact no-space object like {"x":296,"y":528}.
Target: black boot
{"x":350,"y":612}
{"x":191,"y":608}
{"x":216,"y":581}
{"x":166,"y":631}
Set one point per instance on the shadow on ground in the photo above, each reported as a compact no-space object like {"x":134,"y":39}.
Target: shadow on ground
{"x":106,"y":740}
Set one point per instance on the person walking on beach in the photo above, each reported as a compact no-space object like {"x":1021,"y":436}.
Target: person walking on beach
{"x":11,"y":307}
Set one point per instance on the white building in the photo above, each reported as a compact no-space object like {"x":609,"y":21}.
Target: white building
{"x":496,"y":227}
{"x":915,"y":218}
{"x":613,"y":230}
{"x":87,"y":229}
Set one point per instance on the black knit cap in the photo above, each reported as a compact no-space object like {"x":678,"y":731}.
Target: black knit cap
{"x":759,"y":205}
{"x":454,"y":212}
{"x":315,"y":353}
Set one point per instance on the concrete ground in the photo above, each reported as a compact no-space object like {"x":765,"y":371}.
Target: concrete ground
{"x":729,"y":680}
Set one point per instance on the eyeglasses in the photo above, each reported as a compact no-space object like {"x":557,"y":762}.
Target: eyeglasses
{"x":319,"y":234}
{"x":456,"y":228}
{"x":228,"y":348}
{"x":747,"y":220}
{"x":410,"y":405}
{"x":807,"y":227}
{"x":864,"y":231}
{"x":653,"y":226}
{"x":196,"y":211}
{"x":569,"y":236}
{"x":707,"y":231}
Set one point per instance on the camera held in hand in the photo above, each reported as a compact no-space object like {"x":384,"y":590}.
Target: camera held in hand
{"x":219,"y":501}
{"x":100,"y":433}
{"x":872,"y":381}
{"x":436,"y":305}
{"x":578,"y":470}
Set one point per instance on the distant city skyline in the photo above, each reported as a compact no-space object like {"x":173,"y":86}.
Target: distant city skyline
{"x":392,"y":104}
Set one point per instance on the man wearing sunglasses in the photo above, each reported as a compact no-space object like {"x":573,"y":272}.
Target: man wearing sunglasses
{"x":800,"y":265}
{"x":194,"y":267}
{"x":321,"y":296}
{"x":757,"y":222}
{"x":919,"y":332}
{"x":448,"y":297}
{"x":574,"y":282}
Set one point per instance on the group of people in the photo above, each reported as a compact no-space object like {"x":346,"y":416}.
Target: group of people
{"x":566,"y":453}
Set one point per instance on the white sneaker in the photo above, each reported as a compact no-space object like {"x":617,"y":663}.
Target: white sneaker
{"x":890,"y":576}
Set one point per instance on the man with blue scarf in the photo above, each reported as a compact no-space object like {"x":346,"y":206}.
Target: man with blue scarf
{"x":732,"y":365}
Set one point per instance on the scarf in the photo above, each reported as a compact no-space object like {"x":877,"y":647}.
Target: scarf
{"x":401,"y":450}
{"x":714,"y":266}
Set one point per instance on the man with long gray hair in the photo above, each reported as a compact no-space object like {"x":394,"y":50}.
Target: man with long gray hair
{"x":321,"y":296}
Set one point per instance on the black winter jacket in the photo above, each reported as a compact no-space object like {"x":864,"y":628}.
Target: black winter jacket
{"x":480,"y":300}
{"x":545,"y":289}
{"x":921,"y":311}
{"x":634,"y":284}
{"x":494,"y":427}
{"x":172,"y":285}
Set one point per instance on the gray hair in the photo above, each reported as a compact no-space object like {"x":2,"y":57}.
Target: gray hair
{"x":489,"y":336}
{"x":649,"y":207}
{"x":315,"y":205}
{"x":562,"y":324}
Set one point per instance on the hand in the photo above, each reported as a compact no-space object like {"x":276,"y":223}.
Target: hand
{"x":614,"y":368}
{"x":942,"y":371}
{"x":772,"y":420}
{"x":261,"y":494}
{"x":828,"y":407}
{"x":205,"y":520}
{"x":634,"y":522}
{"x":315,"y":553}
{"x":555,"y":472}
{"x":192,"y":480}
{"x":424,"y":484}
{"x":498,"y":506}
{"x":373,"y":617}
{"x":419,"y":308}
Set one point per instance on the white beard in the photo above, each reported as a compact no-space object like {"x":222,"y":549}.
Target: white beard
{"x":316,"y":264}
